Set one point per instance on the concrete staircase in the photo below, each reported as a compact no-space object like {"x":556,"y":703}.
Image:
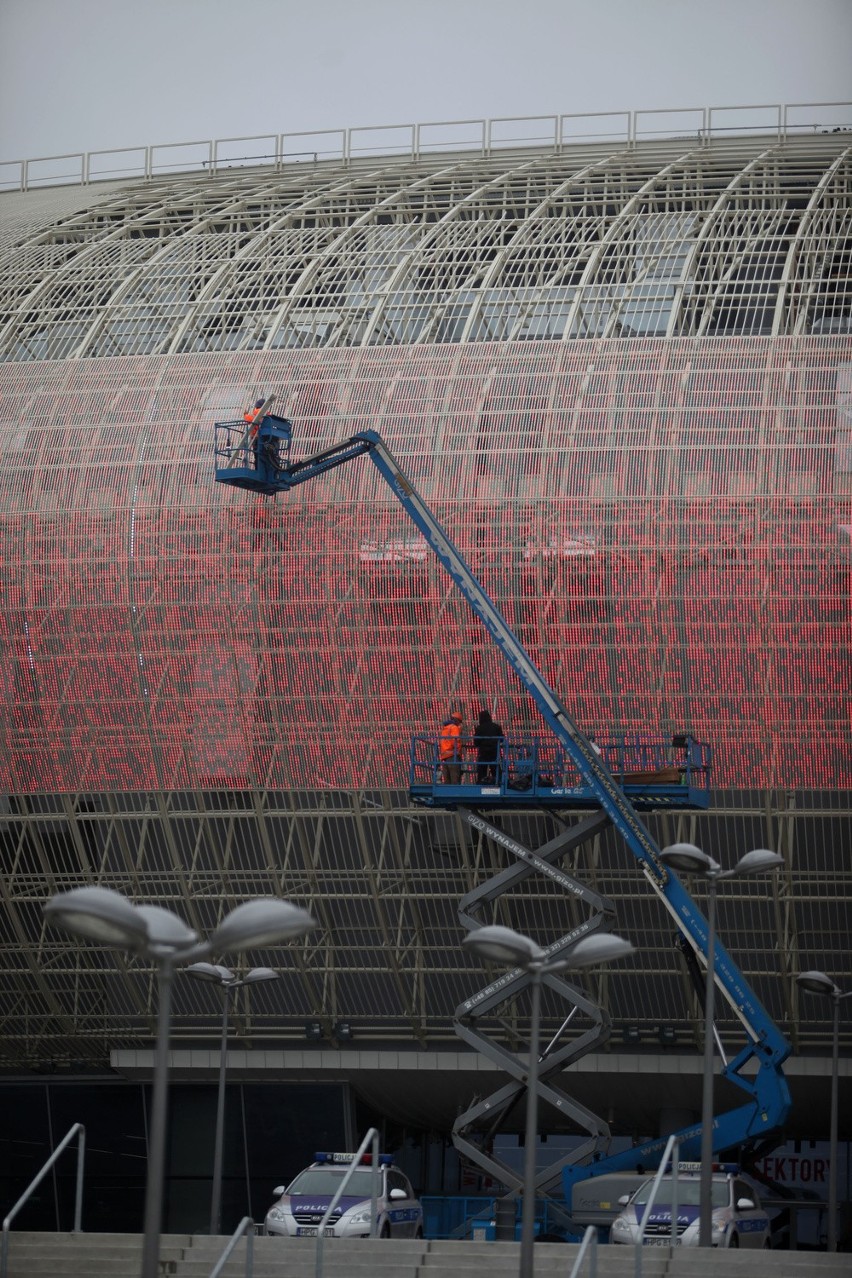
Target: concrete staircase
{"x":404,"y":1258}
{"x":44,"y":1255}
{"x":692,"y":1262}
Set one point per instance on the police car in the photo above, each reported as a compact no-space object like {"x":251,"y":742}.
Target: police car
{"x":301,"y":1207}
{"x":737,"y":1219}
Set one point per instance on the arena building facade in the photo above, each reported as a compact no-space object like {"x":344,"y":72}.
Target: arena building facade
{"x":620,"y":372}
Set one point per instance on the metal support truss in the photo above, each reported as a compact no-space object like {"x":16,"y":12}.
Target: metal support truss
{"x":474,"y":1128}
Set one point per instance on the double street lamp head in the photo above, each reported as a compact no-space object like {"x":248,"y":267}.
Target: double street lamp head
{"x":108,"y":917}
{"x":691,"y":860}
{"x":686,"y":857}
{"x":499,"y":944}
{"x":159,"y":935}
{"x":215,"y":974}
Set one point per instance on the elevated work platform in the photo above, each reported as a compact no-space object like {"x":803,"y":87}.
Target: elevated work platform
{"x":253,"y":455}
{"x":536,"y":772}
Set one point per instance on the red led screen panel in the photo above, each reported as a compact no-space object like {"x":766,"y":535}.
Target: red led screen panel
{"x":665,"y":523}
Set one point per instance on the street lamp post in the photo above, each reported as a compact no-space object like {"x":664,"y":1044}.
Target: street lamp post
{"x":227,"y":981}
{"x":689,"y":858}
{"x":157,"y":934}
{"x":819,"y":983}
{"x":503,"y":945}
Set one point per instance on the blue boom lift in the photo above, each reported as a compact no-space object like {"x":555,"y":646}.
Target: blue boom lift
{"x":263,"y":465}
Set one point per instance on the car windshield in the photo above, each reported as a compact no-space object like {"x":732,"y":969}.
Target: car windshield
{"x":326,"y":1180}
{"x":688,"y":1193}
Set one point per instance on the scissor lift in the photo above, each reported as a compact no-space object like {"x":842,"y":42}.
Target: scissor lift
{"x":473,"y":1129}
{"x":536,"y":772}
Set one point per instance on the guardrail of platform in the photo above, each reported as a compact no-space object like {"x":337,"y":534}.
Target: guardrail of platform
{"x":776,"y":122}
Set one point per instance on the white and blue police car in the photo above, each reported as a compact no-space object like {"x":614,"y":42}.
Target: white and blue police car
{"x":737,"y":1218}
{"x":301,"y":1206}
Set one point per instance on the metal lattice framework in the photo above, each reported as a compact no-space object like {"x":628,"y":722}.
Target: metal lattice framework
{"x":205,"y":696}
{"x":384,"y":883}
{"x":674,"y":239}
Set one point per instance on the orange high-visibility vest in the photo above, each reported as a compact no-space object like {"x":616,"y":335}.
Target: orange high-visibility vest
{"x":448,"y":744}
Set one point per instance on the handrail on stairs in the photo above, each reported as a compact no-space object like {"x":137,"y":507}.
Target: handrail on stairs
{"x":372,"y":1136}
{"x":670,"y":1152}
{"x":590,"y":1243}
{"x":77,"y":1130}
{"x":246,"y":1226}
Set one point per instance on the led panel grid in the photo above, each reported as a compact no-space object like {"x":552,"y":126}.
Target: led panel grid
{"x":666,"y":524}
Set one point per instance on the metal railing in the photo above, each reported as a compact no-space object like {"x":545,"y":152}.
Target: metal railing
{"x":77,"y":1130}
{"x":590,"y":1244}
{"x":483,"y":137}
{"x":372,"y":1136}
{"x":246,"y":1226}
{"x":669,"y":1154}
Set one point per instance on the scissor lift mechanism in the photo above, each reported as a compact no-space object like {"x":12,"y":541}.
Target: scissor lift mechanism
{"x":263,"y":466}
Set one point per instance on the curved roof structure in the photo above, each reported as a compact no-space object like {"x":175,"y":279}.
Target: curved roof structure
{"x":680,"y":238}
{"x":621,"y":376}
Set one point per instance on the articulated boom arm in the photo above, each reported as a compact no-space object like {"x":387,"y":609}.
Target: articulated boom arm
{"x":768,"y":1088}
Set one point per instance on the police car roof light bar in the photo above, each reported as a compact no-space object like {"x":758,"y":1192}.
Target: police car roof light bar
{"x":366,"y":1160}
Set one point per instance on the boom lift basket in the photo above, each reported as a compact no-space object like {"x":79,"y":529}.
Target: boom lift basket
{"x":253,"y":459}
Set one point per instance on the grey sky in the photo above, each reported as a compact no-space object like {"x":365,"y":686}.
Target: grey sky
{"x":88,"y":74}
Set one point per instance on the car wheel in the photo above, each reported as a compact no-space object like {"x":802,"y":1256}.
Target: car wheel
{"x":734,"y":1240}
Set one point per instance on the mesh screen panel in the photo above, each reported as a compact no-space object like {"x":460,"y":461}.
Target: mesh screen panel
{"x":666,"y":524}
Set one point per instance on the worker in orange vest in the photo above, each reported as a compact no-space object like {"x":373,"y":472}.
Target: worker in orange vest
{"x":449,"y":748}
{"x":253,"y":417}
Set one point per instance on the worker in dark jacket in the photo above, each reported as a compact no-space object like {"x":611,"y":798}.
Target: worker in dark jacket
{"x":488,"y":740}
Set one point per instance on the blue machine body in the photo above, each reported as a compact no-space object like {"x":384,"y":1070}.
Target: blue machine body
{"x":768,"y":1094}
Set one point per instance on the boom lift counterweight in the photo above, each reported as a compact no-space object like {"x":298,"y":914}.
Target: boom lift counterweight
{"x":768,"y":1095}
